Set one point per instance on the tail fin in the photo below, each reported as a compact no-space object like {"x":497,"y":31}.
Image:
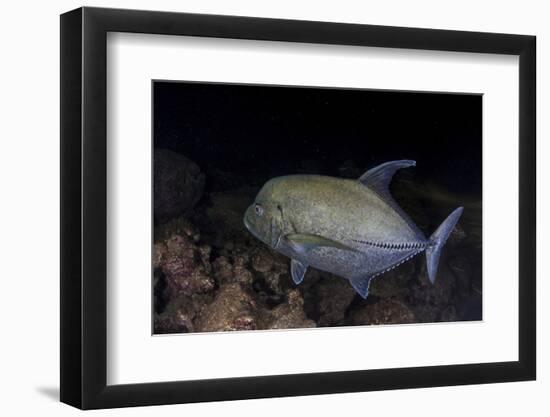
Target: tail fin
{"x":437,"y":241}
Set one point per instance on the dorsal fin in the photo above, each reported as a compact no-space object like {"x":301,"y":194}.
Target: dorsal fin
{"x":378,"y":179}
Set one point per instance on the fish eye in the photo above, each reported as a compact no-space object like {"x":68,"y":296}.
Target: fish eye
{"x":258,"y":209}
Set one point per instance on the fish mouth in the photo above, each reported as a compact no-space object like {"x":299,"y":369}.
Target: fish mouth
{"x":250,"y":228}
{"x":254,"y":233}
{"x":272,"y":240}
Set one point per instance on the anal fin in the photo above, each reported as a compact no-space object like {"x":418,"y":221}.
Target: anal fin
{"x":361,"y":285}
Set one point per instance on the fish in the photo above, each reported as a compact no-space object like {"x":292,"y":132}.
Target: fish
{"x":352,"y":228}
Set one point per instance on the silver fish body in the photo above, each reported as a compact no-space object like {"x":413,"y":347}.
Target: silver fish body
{"x":351,"y":228}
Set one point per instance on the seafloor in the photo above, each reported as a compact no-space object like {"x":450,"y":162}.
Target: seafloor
{"x":211,"y":275}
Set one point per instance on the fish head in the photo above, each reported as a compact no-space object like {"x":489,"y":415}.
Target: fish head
{"x":263,"y":218}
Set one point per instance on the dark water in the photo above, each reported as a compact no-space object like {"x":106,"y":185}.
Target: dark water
{"x":240,"y":136}
{"x":265,"y":131}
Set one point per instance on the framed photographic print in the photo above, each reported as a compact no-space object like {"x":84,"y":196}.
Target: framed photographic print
{"x":258,"y":208}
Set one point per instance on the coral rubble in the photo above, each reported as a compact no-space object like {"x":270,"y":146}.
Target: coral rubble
{"x":211,"y":275}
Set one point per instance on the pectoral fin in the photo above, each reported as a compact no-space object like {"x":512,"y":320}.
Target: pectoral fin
{"x":297,"y":270}
{"x":302,"y":242}
{"x":361,"y":285}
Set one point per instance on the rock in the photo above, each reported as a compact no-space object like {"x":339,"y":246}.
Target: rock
{"x":428,"y":301}
{"x":227,"y":272}
{"x":159,"y":253}
{"x":334,"y":295}
{"x":383,"y":312}
{"x":261,"y":262}
{"x":240,"y":271}
{"x":290,"y":315}
{"x":223,"y":219}
{"x":311,"y":279}
{"x":185,"y":265}
{"x":233,"y":308}
{"x":274,"y":269}
{"x":177,"y":318}
{"x":448,"y":314}
{"x":440,"y":293}
{"x":460,"y":266}
{"x":178,"y":184}
{"x":223,"y":270}
{"x":177,"y":226}
{"x":394,"y":283}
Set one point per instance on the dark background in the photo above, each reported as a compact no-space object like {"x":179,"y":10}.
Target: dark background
{"x":265,"y":131}
{"x":240,"y":136}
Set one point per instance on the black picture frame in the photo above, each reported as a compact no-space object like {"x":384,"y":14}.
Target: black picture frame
{"x":84,"y":207}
